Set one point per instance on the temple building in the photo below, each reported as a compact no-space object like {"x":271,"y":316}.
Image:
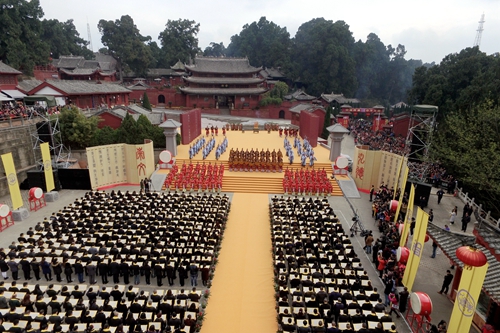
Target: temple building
{"x":225,"y":83}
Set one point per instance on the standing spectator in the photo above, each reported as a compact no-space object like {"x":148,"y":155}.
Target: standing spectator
{"x":35,"y":267}
{"x":434,"y":249}
{"x":440,"y":194}
{"x":465,"y":221}
{"x":193,"y":271}
{"x":4,"y":267}
{"x":453,"y":216}
{"x":79,"y":270}
{"x":381,"y":264}
{"x":68,"y":271}
{"x":394,"y":304}
{"x":412,"y":225}
{"x":91,"y":272}
{"x":146,"y":185}
{"x":372,"y":190}
{"x":47,"y":272}
{"x":446,"y":282}
{"x":431,"y":216}
{"x":369,"y":243}
{"x":403,"y":300}
{"x":14,"y":268}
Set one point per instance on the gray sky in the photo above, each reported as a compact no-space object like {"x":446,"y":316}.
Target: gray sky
{"x":428,"y":29}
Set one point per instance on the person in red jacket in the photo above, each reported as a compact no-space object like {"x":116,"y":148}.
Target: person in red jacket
{"x":381,"y":264}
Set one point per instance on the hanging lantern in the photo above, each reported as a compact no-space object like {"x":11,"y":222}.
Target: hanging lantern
{"x":471,"y":257}
{"x":402,"y":254}
{"x":394,"y":205}
{"x":426,"y":238}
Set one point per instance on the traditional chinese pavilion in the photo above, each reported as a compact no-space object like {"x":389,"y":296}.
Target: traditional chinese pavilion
{"x":222,"y":83}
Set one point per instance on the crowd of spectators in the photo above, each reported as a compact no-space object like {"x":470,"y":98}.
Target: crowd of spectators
{"x":19,"y":110}
{"x":363,"y":134}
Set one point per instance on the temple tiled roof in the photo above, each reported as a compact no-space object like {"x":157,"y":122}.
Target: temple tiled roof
{"x":223,"y":91}
{"x":86,"y":71}
{"x":339,"y":98}
{"x":222,"y":80}
{"x":6,"y":69}
{"x":86,"y":87}
{"x":179,"y":66}
{"x":27,"y":85}
{"x":449,"y":242}
{"x":271,"y":73}
{"x":299,"y":95}
{"x":222,"y":65}
{"x":306,"y":107}
{"x":69,"y":62}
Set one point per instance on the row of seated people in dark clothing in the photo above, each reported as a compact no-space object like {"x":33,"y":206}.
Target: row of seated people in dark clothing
{"x":158,"y":235}
{"x":319,"y":278}
{"x":105,"y":307}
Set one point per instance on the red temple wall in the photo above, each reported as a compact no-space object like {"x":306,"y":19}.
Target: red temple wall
{"x":309,"y":123}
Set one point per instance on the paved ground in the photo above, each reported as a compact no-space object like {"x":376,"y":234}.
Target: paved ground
{"x":430,"y":273}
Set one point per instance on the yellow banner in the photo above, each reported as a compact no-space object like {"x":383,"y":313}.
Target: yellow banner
{"x":10,"y":171}
{"x":47,"y":166}
{"x":401,"y":194}
{"x":417,"y":249}
{"x":409,"y":214}
{"x":471,"y":283}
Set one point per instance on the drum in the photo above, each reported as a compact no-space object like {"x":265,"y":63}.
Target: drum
{"x":394,"y":205}
{"x":421,"y":303}
{"x":341,"y":162}
{"x":165,"y":157}
{"x":402,"y":254}
{"x":4,"y":210}
{"x":426,"y":238}
{"x":35,"y":193}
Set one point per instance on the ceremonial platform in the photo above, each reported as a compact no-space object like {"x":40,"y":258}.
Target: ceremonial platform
{"x":255,"y":181}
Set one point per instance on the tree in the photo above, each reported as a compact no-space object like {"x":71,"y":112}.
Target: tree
{"x":264,"y":43}
{"x":125,"y":43}
{"x":322,"y":57}
{"x":104,"y":136}
{"x":179,"y":41}
{"x":145,"y":102}
{"x":328,"y":120}
{"x":20,"y":44}
{"x":77,"y":130}
{"x":63,"y":39}
{"x":282,"y":88}
{"x":468,"y":144}
{"x":460,"y":82}
{"x":215,"y":50}
{"x":128,"y":132}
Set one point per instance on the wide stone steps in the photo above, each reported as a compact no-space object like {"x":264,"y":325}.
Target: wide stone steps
{"x":260,"y":182}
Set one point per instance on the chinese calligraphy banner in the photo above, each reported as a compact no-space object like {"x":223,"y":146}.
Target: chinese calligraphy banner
{"x":120,"y":164}
{"x":374,"y":167}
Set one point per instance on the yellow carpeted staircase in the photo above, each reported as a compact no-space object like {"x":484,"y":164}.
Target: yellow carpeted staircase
{"x":261,"y":182}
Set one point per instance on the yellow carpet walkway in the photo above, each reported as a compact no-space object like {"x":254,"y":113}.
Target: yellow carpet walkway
{"x":242,"y":293}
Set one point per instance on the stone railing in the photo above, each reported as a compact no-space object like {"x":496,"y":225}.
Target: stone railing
{"x":482,"y":217}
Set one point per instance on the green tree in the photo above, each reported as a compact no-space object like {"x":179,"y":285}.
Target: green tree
{"x":264,"y":43}
{"x":125,"y":43}
{"x":282,"y":88}
{"x":145,"y":102}
{"x":460,"y":82}
{"x":128,"y":132}
{"x":328,"y":119}
{"x":20,"y":44}
{"x":77,"y":130}
{"x":322,"y":57}
{"x":63,"y":39}
{"x":179,"y":41}
{"x":104,"y":136}
{"x":215,"y":50}
{"x":468,"y":144}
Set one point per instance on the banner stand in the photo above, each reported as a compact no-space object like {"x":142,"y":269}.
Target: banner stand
{"x":20,"y":214}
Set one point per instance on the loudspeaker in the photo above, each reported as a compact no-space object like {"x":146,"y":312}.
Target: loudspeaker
{"x":75,"y":179}
{"x":37,"y":179}
{"x":422,"y":190}
{"x":44,"y":130}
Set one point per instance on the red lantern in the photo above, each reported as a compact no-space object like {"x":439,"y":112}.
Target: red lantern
{"x":471,"y":256}
{"x":426,"y":238}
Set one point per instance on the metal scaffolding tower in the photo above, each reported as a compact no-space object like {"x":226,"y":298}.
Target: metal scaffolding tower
{"x":50,"y":125}
{"x":477,"y":41}
{"x":419,"y":139}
